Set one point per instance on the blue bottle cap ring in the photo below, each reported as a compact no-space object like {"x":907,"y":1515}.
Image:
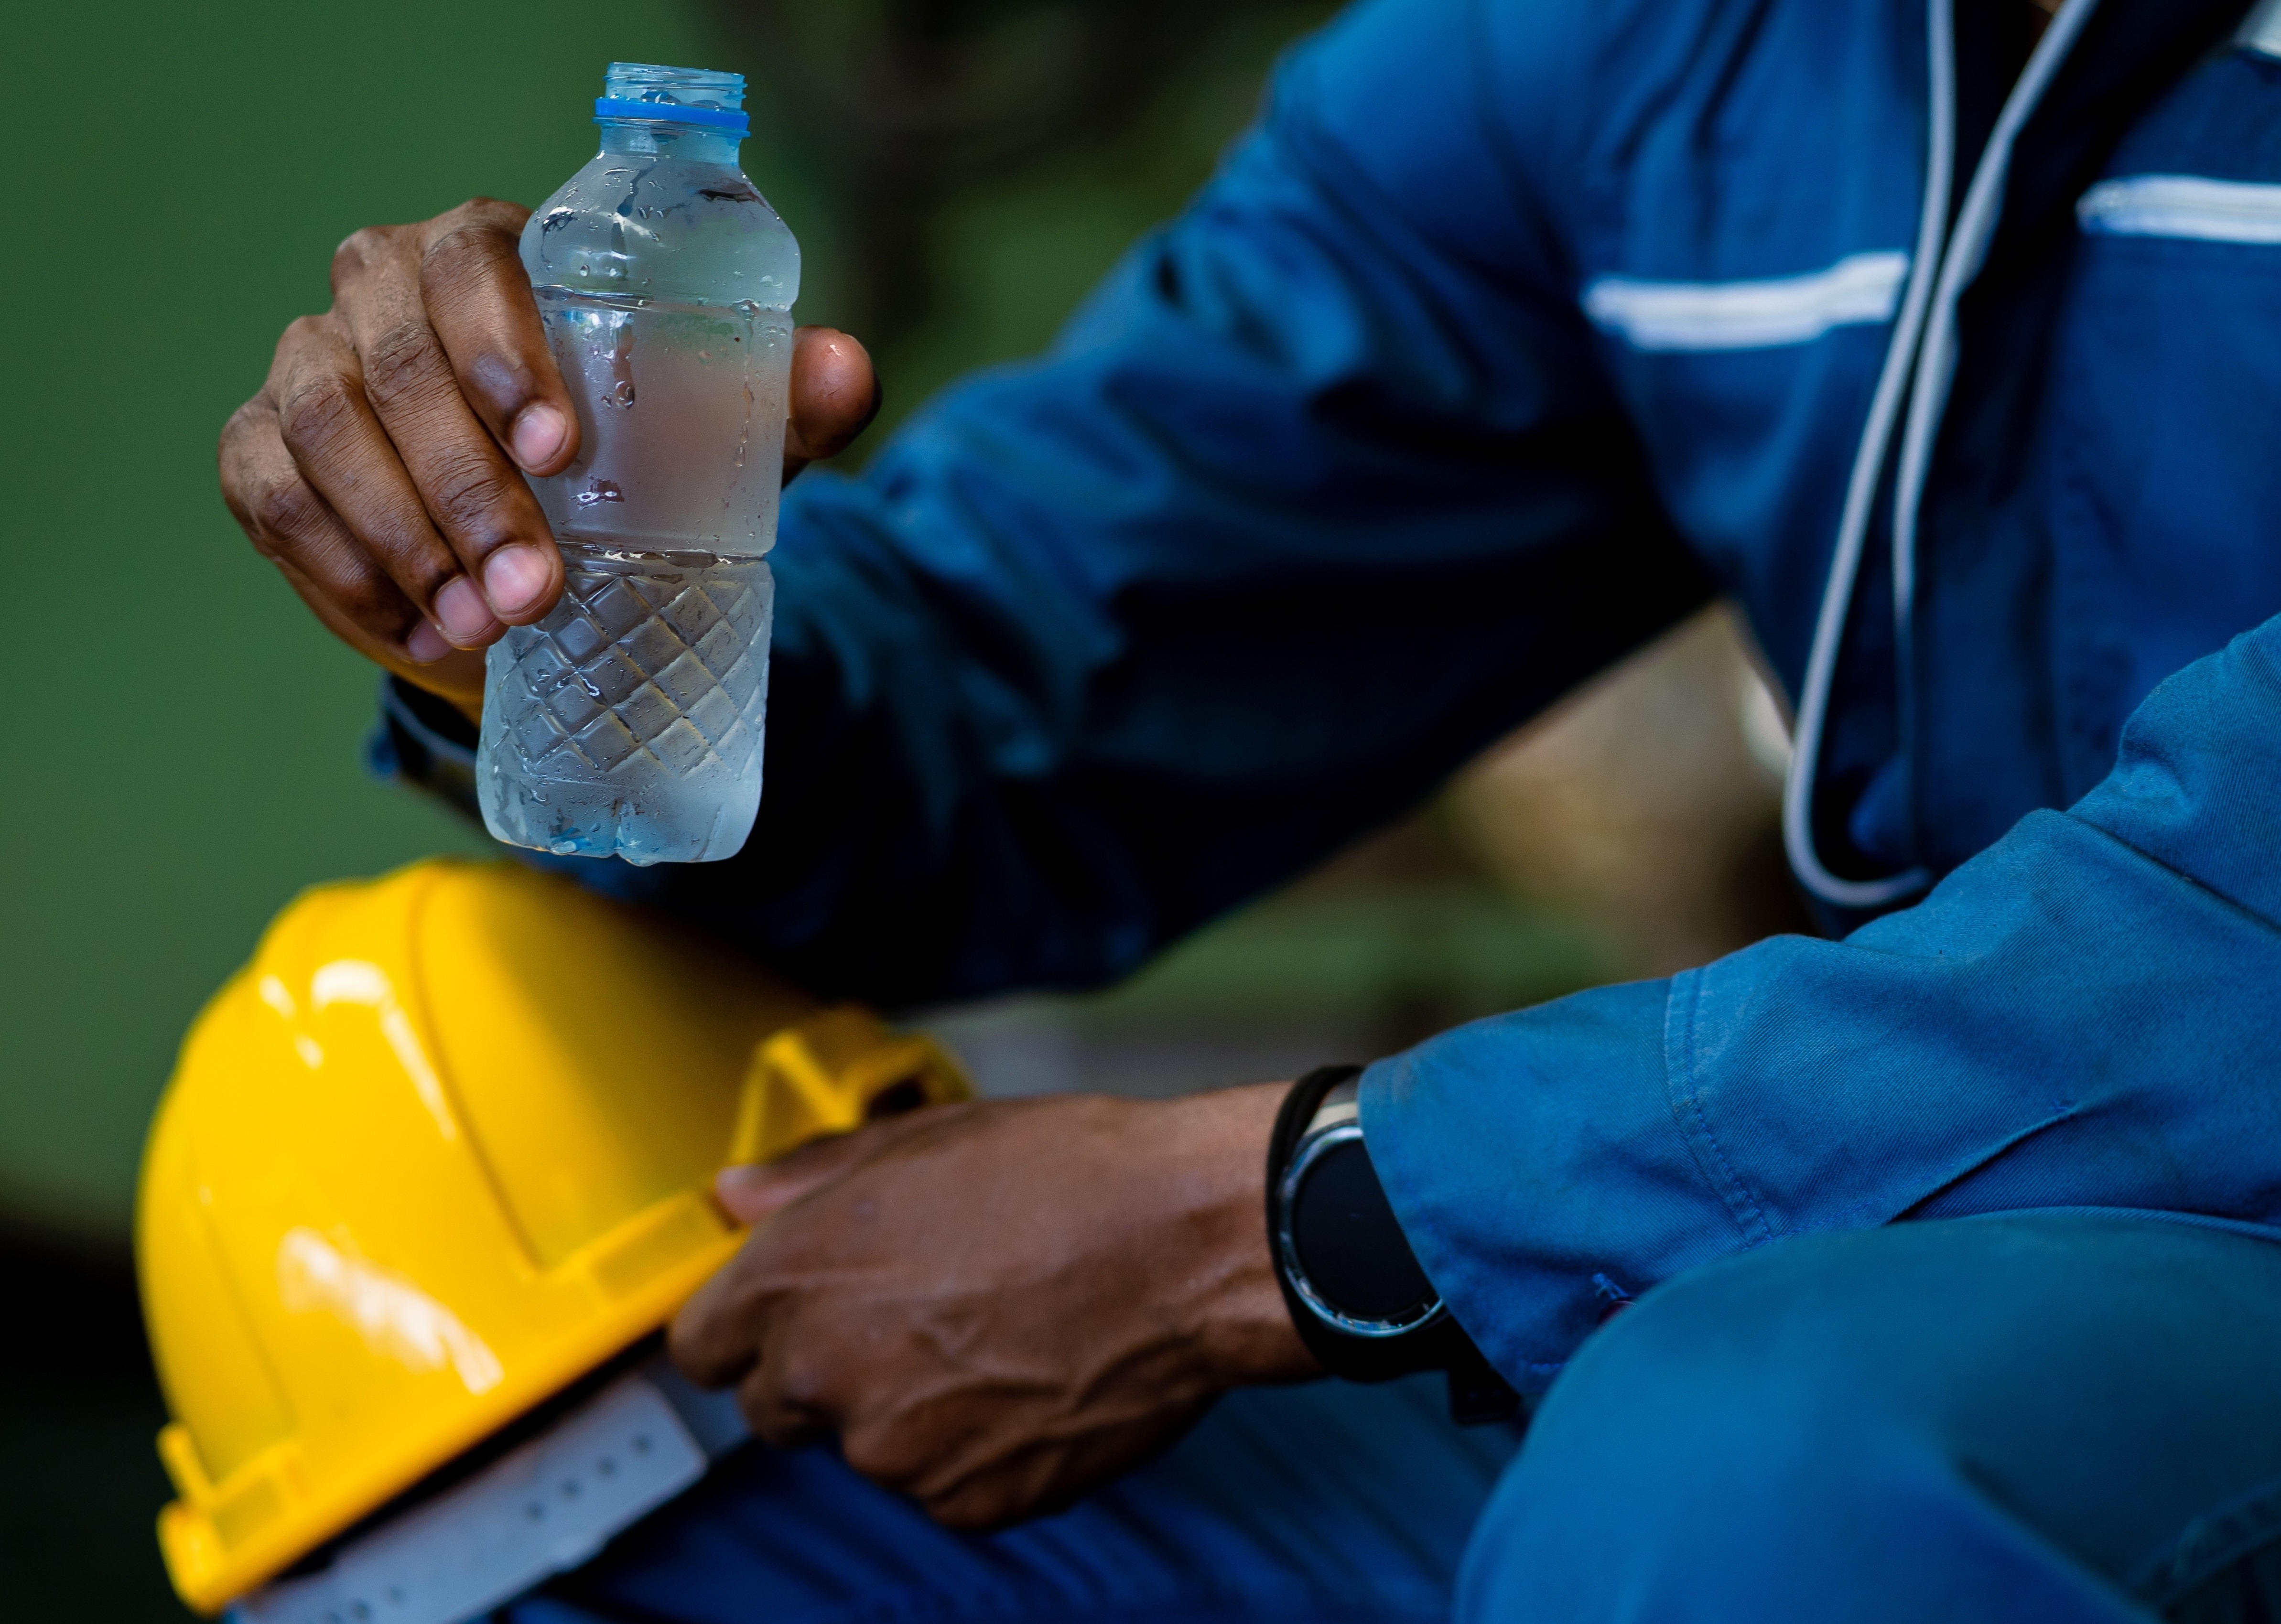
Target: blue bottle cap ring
{"x":671,"y":113}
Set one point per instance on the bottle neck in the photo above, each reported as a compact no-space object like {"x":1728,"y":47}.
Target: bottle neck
{"x":643,"y":138}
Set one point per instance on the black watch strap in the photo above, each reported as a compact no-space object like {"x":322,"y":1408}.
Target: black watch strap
{"x":1477,"y":1392}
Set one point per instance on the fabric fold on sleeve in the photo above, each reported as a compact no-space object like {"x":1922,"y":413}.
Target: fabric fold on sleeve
{"x":2083,"y":1016}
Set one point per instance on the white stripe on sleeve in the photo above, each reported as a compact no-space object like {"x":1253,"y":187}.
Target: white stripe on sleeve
{"x":2183,"y":205}
{"x":1749,"y":315}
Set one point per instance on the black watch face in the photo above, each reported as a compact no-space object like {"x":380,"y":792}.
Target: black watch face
{"x":1350,"y":1250}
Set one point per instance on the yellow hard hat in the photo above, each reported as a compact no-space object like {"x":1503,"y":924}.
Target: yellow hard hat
{"x":444,"y":1148}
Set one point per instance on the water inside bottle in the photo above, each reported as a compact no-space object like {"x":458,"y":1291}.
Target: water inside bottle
{"x":629,"y":721}
{"x":681,"y":416}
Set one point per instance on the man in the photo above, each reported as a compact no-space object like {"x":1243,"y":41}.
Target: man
{"x":1948,"y":343}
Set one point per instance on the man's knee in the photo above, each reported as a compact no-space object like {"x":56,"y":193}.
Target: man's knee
{"x":1895,"y":1417}
{"x":1718,"y":1409}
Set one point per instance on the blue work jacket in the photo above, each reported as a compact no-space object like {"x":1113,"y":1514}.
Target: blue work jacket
{"x":1514,"y":332}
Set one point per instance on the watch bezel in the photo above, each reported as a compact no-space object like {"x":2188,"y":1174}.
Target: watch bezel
{"x":1311,"y":1149}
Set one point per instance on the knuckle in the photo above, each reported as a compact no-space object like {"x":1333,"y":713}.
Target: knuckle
{"x":306,"y":340}
{"x":465,"y":249}
{"x":236,"y":461}
{"x":465,"y":263}
{"x":351,"y":580}
{"x":714,"y":1339}
{"x":242,"y":425}
{"x":315,"y":412}
{"x":776,"y":1418}
{"x":496,"y":213}
{"x":401,"y":363}
{"x":706,"y":1358}
{"x":798,"y":1383}
{"x":283,"y":510}
{"x":478,"y":232}
{"x":360,"y":252}
{"x":470,"y":494}
{"x":770,"y":1422}
{"x":302,"y":333}
{"x":370,"y":598}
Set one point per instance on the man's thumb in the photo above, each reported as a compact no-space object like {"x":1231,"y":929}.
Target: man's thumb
{"x":754,"y":1192}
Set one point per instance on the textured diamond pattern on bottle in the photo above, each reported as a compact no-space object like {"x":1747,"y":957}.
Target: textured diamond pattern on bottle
{"x":629,"y":719}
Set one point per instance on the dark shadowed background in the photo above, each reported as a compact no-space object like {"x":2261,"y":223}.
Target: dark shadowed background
{"x":958,"y":172}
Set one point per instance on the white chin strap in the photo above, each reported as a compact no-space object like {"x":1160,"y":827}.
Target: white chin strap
{"x":541,"y":1509}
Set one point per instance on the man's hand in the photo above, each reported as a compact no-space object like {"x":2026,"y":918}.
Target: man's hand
{"x":996,"y":1306}
{"x":381,"y":466}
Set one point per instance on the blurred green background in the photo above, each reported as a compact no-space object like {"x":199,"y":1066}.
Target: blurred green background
{"x":200,"y":164}
{"x":958,"y":171}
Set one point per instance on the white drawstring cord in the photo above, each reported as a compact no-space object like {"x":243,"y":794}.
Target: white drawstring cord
{"x":1861,"y":492}
{"x":1937,"y":283}
{"x":1967,"y":252}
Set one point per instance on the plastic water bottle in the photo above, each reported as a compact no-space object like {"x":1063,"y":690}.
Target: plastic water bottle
{"x":628,"y":722}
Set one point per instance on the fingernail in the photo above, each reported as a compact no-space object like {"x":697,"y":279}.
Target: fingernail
{"x":514,"y":578}
{"x":537,"y":435}
{"x":426,"y":644}
{"x":743,"y":1191}
{"x":461,"y":612}
{"x":736,"y":1180}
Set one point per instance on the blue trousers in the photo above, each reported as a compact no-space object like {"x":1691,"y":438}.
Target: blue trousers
{"x":2061,"y":1416}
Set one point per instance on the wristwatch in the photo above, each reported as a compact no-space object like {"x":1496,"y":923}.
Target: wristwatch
{"x":1356,"y":1293}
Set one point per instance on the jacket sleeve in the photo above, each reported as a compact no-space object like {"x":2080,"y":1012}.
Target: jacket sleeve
{"x":1321,"y":493}
{"x":2083,"y":1015}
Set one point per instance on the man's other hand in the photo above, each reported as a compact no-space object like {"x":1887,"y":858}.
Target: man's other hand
{"x":997,"y":1306}
{"x":381,"y":466}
